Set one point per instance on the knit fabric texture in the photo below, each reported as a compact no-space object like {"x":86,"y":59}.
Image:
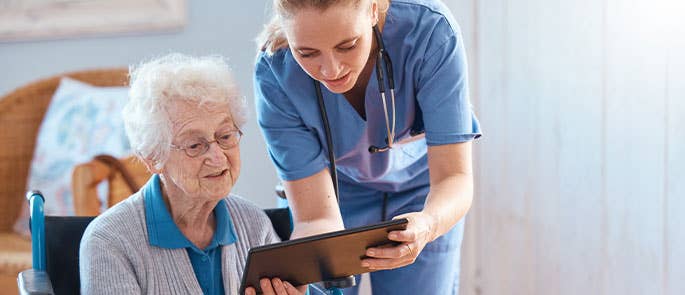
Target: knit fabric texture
{"x":117,"y":258}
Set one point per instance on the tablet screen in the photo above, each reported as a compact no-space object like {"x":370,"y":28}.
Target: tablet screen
{"x":317,"y":258}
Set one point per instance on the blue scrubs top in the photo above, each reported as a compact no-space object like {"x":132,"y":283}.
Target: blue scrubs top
{"x":163,"y":232}
{"x":429,"y":66}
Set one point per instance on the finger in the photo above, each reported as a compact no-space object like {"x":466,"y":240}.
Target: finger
{"x":380,"y":264}
{"x":278,"y":286}
{"x":390,"y":252}
{"x":294,"y":291}
{"x":250,"y":291}
{"x":409,"y":216}
{"x":267,"y":289}
{"x":408,"y":235}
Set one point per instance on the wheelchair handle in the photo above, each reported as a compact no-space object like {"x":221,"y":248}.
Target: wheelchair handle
{"x":34,"y":193}
{"x":37,"y":226}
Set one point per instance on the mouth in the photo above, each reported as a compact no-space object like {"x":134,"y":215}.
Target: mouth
{"x":217,"y":174}
{"x":338,"y":81}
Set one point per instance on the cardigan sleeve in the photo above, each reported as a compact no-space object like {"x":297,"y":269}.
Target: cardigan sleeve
{"x":104,"y":268}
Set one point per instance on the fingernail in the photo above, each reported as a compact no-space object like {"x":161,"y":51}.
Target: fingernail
{"x":371,"y":252}
{"x":365,"y":264}
{"x":392,"y":236}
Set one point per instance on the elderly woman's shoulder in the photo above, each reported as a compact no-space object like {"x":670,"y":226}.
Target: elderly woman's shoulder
{"x":241,"y":206}
{"x":251,"y":223}
{"x":247,"y":213}
{"x":125,"y":219}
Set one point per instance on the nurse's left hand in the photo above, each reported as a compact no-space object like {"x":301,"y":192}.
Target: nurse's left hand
{"x":419,"y":232}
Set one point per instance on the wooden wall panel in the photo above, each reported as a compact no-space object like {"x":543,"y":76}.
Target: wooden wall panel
{"x":502,"y":228}
{"x":536,"y":76}
{"x":674,"y":241}
{"x":634,"y":147}
{"x":575,"y":55}
{"x":579,"y":184}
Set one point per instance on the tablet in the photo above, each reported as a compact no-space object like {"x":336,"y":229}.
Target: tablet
{"x":317,"y":258}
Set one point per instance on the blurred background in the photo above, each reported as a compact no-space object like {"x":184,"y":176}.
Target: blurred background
{"x":580,"y":174}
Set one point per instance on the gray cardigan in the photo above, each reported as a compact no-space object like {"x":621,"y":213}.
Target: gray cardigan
{"x":116,"y":256}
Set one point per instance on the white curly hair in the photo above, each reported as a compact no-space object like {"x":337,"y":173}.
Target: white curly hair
{"x":157,"y":83}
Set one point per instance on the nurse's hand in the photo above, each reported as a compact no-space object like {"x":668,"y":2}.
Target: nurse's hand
{"x":420,"y":231}
{"x":276,"y":286}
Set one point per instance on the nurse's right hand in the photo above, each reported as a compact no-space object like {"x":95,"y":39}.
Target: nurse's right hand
{"x":276,"y":287}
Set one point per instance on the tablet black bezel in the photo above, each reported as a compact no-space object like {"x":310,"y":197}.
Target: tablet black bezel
{"x":391,"y":225}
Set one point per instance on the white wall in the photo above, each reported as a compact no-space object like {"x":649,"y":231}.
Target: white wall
{"x":225,"y":27}
{"x":580,"y":172}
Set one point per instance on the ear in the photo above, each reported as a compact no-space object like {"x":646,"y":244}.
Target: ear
{"x":150,"y":165}
{"x":375,"y":15}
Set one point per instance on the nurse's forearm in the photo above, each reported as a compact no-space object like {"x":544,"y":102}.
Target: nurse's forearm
{"x":448,"y":202}
{"x":451,"y":186}
{"x":309,"y":228}
{"x":314,"y":206}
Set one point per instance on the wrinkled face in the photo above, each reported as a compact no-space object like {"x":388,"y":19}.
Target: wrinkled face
{"x":209,"y":176}
{"x":333,"y":45}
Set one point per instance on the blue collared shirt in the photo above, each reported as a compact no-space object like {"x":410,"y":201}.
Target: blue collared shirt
{"x":163,"y":232}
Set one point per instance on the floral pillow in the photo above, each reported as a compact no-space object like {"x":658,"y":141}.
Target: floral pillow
{"x":81,"y":122}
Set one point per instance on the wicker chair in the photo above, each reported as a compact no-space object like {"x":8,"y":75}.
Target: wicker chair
{"x":125,"y":177}
{"x":21,"y":113}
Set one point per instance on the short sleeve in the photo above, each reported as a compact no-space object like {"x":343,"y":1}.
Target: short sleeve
{"x":442,"y":89}
{"x":293,"y":147}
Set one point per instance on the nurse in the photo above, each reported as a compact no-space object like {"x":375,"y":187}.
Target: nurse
{"x":395,"y":91}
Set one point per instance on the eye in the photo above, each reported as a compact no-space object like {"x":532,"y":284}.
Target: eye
{"x":348,"y":48}
{"x":226,"y":137}
{"x":306,"y":54}
{"x":194,"y":146}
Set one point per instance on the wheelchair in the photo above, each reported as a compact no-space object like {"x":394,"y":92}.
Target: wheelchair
{"x":55,"y":242}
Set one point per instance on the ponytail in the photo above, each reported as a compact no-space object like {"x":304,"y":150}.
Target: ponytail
{"x":272,"y":38}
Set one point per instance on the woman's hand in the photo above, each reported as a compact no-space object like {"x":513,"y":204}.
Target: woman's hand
{"x":420,"y":231}
{"x":276,"y":286}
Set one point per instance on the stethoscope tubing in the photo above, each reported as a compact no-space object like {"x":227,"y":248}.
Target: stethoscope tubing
{"x":381,"y":73}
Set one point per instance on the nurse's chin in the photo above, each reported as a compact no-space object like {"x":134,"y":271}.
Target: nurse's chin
{"x":341,"y":85}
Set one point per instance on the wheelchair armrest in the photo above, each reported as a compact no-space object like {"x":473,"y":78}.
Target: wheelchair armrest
{"x":34,"y":282}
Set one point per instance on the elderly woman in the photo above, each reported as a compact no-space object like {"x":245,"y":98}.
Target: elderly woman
{"x":182,"y":233}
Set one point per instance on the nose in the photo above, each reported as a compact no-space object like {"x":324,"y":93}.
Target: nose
{"x":330,"y":67}
{"x":215,"y":155}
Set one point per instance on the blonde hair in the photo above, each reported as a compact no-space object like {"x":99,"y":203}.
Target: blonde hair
{"x":158,"y":83}
{"x":272,"y":38}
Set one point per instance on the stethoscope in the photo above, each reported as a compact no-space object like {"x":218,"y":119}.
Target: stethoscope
{"x":383,"y":57}
{"x":382,"y":72}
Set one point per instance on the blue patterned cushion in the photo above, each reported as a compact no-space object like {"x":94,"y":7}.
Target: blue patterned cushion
{"x":81,"y":122}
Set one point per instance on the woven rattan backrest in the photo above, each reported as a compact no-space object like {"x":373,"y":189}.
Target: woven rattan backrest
{"x":21,"y":112}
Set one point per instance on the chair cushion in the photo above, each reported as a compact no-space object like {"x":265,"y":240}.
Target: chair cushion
{"x":81,"y":122}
